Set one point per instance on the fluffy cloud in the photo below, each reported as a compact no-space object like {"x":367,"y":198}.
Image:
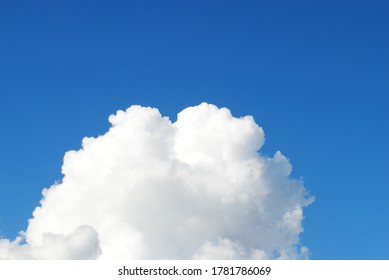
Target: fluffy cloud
{"x":152,"y":189}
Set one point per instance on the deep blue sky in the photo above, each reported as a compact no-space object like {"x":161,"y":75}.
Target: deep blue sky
{"x":314,"y":74}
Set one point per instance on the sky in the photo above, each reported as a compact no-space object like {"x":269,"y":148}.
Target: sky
{"x":313,"y":75}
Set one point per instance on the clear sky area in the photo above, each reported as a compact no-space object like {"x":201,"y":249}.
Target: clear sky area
{"x":313,"y":74}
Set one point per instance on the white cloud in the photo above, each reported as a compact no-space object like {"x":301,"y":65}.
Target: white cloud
{"x":82,"y":244}
{"x":153,"y":189}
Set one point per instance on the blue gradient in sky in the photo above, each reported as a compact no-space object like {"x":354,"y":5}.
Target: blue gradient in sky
{"x":314,"y":74}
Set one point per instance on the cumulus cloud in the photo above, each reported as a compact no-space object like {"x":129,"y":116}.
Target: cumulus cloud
{"x":151,"y":189}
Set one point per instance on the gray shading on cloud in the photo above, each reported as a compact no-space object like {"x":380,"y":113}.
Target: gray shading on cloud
{"x":151,"y":189}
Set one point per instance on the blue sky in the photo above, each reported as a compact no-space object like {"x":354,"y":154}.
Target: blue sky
{"x":315,"y":76}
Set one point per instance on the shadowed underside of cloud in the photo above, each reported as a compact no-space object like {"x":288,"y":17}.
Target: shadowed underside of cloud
{"x":152,"y":189}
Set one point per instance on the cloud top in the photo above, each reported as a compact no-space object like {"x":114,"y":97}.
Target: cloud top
{"x":152,"y":189}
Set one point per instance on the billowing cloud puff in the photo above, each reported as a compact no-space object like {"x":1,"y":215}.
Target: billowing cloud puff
{"x":152,"y":189}
{"x":82,"y":244}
